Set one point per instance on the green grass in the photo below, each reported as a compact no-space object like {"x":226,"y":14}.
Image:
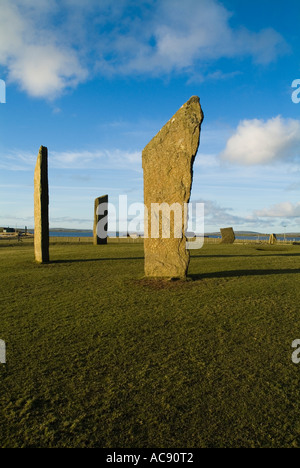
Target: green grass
{"x":97,"y":356}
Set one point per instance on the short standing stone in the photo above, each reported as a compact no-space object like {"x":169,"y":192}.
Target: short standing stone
{"x":228,"y":236}
{"x":41,"y":207}
{"x":273,"y":239}
{"x":100,"y":220}
{"x":168,"y":171}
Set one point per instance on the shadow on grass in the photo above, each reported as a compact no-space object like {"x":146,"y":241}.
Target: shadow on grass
{"x":239,"y":273}
{"x":271,"y":254}
{"x":86,"y":260}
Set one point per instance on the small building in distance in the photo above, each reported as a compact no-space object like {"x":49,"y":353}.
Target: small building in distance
{"x":8,"y":230}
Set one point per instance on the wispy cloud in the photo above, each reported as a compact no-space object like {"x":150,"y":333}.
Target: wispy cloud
{"x":116,"y":159}
{"x":207,"y":161}
{"x":17,"y":161}
{"x":217,"y":75}
{"x":46,"y":55}
{"x":66,"y":220}
{"x":105,"y":159}
{"x":220,"y":216}
{"x":293,"y":187}
{"x":262,"y":142}
{"x":176,"y":36}
{"x":281,"y":210}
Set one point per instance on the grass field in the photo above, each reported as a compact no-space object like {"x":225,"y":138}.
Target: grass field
{"x":97,"y":356}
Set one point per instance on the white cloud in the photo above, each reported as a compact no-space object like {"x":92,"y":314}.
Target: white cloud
{"x":35,"y":56}
{"x":177,"y":36}
{"x":50,"y":45}
{"x":281,"y":210}
{"x":45,"y":70}
{"x":262,"y":142}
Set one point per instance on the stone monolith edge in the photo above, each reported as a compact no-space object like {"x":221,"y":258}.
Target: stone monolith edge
{"x":41,"y":207}
{"x":100,"y":212}
{"x":228,"y":236}
{"x":168,"y":172}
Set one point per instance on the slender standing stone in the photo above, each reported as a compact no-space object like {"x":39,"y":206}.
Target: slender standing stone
{"x":168,"y":172}
{"x":100,"y":213}
{"x":41,"y":207}
{"x":228,"y":236}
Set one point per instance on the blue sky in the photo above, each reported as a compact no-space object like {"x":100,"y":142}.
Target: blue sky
{"x":94,"y":81}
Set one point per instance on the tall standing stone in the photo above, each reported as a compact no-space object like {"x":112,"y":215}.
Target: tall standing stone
{"x":100,"y":223}
{"x":228,"y":236}
{"x":41,"y":207}
{"x":168,"y":172}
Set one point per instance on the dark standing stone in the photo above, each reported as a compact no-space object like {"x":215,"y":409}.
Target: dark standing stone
{"x":228,"y":236}
{"x":101,"y":203}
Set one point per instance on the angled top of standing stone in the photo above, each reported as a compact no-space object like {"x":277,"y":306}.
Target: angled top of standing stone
{"x":182,"y":131}
{"x":169,"y":156}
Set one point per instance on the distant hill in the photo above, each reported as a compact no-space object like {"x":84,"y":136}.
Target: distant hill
{"x":239,"y":233}
{"x":254,"y":233}
{"x":69,"y":230}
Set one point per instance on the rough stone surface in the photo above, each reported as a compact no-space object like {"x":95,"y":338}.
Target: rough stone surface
{"x":41,"y":207}
{"x":273,"y":239}
{"x":168,"y":171}
{"x":228,"y":236}
{"x":98,"y":217}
